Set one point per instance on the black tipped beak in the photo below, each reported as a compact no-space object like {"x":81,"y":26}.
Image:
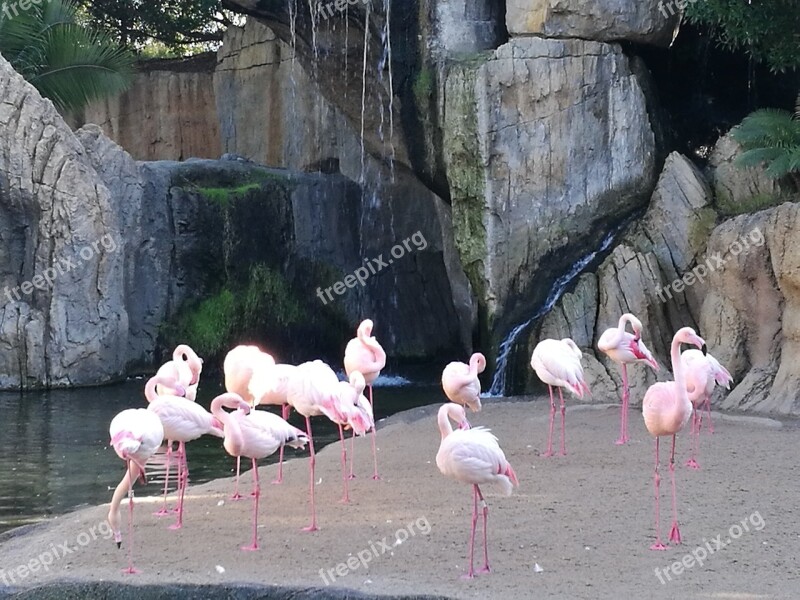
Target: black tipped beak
{"x":119,"y":545}
{"x":704,"y":349}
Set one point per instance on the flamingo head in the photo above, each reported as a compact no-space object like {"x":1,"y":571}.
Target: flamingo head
{"x":573,"y":346}
{"x":479,"y":360}
{"x":458,"y":415}
{"x":357,"y":381}
{"x":184,"y":352}
{"x":687,"y":335}
{"x":365,"y":329}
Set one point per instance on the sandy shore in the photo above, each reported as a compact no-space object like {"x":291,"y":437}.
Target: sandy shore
{"x":578,"y":527}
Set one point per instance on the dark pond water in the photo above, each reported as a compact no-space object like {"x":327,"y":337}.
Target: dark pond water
{"x":54,"y":452}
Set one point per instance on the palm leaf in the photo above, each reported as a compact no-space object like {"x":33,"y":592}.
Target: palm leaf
{"x":768,"y":127}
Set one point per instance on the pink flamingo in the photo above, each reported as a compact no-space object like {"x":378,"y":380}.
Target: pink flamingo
{"x":184,"y":368}
{"x":364,"y":354}
{"x":624,"y":349}
{"x":473,"y":456}
{"x":461,"y":384}
{"x":254,"y":434}
{"x":183,"y":421}
{"x":136,"y":434}
{"x":666,"y":410}
{"x":312,"y":392}
{"x":240,"y":365}
{"x":357,"y":414}
{"x":558,"y":363}
{"x":703,"y":372}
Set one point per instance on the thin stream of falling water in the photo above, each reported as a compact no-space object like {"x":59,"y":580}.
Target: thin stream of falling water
{"x":364,"y":91}
{"x":292,"y":79}
{"x":391,"y":86}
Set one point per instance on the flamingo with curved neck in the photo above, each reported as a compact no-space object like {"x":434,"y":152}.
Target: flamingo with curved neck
{"x":624,"y":349}
{"x":461,"y":384}
{"x":666,"y":409}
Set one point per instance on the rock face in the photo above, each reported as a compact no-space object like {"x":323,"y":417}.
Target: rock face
{"x":63,"y":321}
{"x":647,"y":21}
{"x":548,"y":143}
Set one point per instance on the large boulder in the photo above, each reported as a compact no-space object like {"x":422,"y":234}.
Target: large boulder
{"x":644,"y":21}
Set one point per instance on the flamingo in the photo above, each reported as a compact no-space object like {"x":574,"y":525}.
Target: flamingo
{"x":240,"y":365}
{"x":703,"y":372}
{"x":357,"y":414}
{"x":558,"y":363}
{"x":312,"y":391}
{"x":364,"y":354}
{"x":255,"y":434}
{"x":666,"y":410}
{"x":624,"y":349}
{"x":136,"y":434}
{"x":183,"y":421}
{"x":461,"y":384}
{"x":184,"y":368}
{"x":472,"y":456}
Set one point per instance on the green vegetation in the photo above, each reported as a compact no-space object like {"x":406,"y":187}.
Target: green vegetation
{"x":423,"y":87}
{"x":208,"y":326}
{"x":68,"y":61}
{"x":771,"y":137}
{"x":728,"y":208}
{"x":269,"y":298}
{"x":223,"y":196}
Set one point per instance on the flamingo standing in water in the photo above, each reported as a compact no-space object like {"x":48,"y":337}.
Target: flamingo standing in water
{"x":558,"y":363}
{"x":183,"y":421}
{"x":239,"y":367}
{"x":312,"y":392}
{"x":184,"y":368}
{"x":702,"y":373}
{"x":461,"y":384}
{"x":136,"y":434}
{"x":472,"y":456}
{"x":254,"y":434}
{"x":666,"y":410}
{"x":364,"y":354}
{"x":625,"y":348}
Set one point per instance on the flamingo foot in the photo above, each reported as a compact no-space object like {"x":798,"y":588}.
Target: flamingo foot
{"x":658,"y":546}
{"x":485,"y":569}
{"x":470,"y":575}
{"x":236,"y":496}
{"x":251,"y":548}
{"x":675,"y":533}
{"x":351,"y":476}
{"x":621,"y":441}
{"x":131,"y":571}
{"x":253,"y":494}
{"x":692,"y":464}
{"x":547,"y":454}
{"x":277,"y":481}
{"x":310,"y":528}
{"x":176,"y":526}
{"x":562,"y":453}
{"x":376,"y":477}
{"x":344,"y":500}
{"x":163,"y":512}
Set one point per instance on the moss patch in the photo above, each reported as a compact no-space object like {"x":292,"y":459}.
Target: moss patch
{"x":727,"y":207}
{"x":223,"y":196}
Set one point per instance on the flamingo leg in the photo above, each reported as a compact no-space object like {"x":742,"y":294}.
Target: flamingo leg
{"x":674,"y":533}
{"x":549,"y":451}
{"x":485,"y":568}
{"x":471,"y":573}
{"x":375,"y":475}
{"x":623,"y":426}
{"x":708,"y":412}
{"x":236,"y":494}
{"x":164,"y":510}
{"x":179,"y":480}
{"x":285,"y":409}
{"x":695,"y":440}
{"x":352,"y":455}
{"x":346,"y":493}
{"x":257,"y":495}
{"x":312,"y":462}
{"x":183,"y":481}
{"x":132,"y":475}
{"x":657,"y":481}
{"x":563,"y":424}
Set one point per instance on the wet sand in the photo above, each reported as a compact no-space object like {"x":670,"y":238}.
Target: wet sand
{"x":578,"y":526}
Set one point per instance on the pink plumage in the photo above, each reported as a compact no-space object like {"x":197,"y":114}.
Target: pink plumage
{"x":461,"y":384}
{"x":184,"y":368}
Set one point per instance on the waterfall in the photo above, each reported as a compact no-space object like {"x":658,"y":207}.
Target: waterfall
{"x":498,"y":386}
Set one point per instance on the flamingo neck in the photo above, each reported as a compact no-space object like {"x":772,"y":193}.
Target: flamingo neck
{"x":473,"y":364}
{"x":677,"y":369}
{"x":233,"y":440}
{"x":150,"y":389}
{"x":445,"y":428}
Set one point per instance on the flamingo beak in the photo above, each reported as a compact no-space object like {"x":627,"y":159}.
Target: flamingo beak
{"x":704,"y":349}
{"x":464,"y":424}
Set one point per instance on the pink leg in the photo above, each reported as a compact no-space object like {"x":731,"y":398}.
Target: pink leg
{"x":179,"y":480}
{"x":164,"y":511}
{"x":623,"y":426}
{"x":708,"y":412}
{"x":183,"y":481}
{"x":285,"y":409}
{"x":257,"y":485}
{"x":549,"y":451}
{"x":485,"y":568}
{"x":346,"y":493}
{"x":236,"y":494}
{"x":563,"y":424}
{"x":657,"y":480}
{"x":352,"y":456}
{"x":375,"y":475}
{"x":695,"y":438}
{"x":471,"y":573}
{"x":132,"y":475}
{"x":312,"y":462}
{"x":674,"y":533}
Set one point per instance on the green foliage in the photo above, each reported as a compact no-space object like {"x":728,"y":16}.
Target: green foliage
{"x":423,"y":87}
{"x":208,"y":326}
{"x":269,"y":299}
{"x":223,"y":196}
{"x":766,"y":29}
{"x":69,"y":62}
{"x":770,"y":137}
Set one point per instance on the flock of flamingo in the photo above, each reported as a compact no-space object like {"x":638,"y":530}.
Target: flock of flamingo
{"x":467,"y":454}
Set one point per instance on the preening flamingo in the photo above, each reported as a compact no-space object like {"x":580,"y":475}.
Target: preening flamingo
{"x":364,"y":354}
{"x":239,"y":367}
{"x":461,"y":384}
{"x":254,"y":434}
{"x":666,"y":410}
{"x":184,"y":368}
{"x":357,"y":414}
{"x":183,"y":421}
{"x":312,"y":392}
{"x":625,"y":349}
{"x":136,"y":434}
{"x":558,"y":363}
{"x":702,"y":372}
{"x":473,"y":456}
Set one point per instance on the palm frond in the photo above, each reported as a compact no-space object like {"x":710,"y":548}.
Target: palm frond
{"x":768,"y":127}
